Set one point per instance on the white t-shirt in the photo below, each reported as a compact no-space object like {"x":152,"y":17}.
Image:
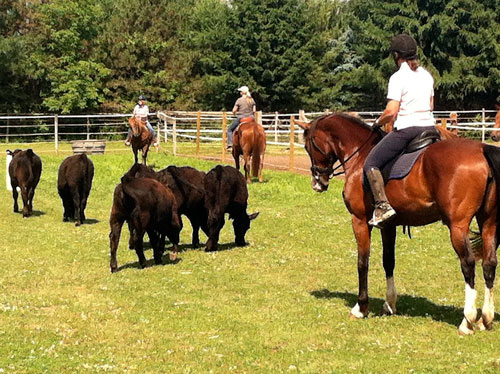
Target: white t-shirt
{"x":413,"y":90}
{"x":141,"y":112}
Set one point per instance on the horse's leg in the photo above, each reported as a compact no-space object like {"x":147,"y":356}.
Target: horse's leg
{"x":261,"y":167}
{"x":389,"y":261}
{"x":362,"y":232}
{"x":236,"y":157}
{"x":145,"y":154}
{"x":246,"y":166}
{"x":490,"y":262}
{"x":461,"y":244}
{"x":136,"y":160}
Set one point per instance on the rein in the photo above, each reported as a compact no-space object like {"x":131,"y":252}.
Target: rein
{"x":331,"y":171}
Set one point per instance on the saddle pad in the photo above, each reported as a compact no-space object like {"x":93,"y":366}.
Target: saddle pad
{"x":246,"y":119}
{"x":399,"y":168}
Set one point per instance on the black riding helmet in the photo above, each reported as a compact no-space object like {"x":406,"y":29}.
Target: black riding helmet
{"x":142,"y":97}
{"x":405,"y":46}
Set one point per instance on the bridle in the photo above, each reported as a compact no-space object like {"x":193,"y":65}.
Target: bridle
{"x":331,"y":171}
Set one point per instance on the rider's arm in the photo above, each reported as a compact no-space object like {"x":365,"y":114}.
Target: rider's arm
{"x":389,"y":114}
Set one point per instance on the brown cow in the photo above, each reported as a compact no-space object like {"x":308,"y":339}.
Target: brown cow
{"x":187,"y":185}
{"x":24,"y":171}
{"x":74,"y":182}
{"x":147,"y":206}
{"x":226,"y":192}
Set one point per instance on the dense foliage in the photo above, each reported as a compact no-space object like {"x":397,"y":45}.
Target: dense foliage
{"x":99,"y":55}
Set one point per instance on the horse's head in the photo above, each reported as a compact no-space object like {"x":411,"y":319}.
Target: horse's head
{"x":321,"y":153}
{"x":137,"y":126}
{"x":495,"y":135}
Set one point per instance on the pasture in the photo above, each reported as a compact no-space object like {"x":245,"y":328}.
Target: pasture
{"x":279,"y":305}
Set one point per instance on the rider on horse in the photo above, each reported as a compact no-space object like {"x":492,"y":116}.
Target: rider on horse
{"x":410,"y":101}
{"x":244,"y":107}
{"x":141,"y":111}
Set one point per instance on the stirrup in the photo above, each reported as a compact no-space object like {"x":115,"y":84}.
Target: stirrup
{"x":382,"y":213}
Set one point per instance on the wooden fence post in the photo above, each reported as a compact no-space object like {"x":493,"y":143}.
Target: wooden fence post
{"x":198,"y":125}
{"x":259,"y":117}
{"x":292,"y":143}
{"x":224,"y":135}
{"x":56,"y":133}
{"x":443,"y":123}
{"x":174,"y":136}
{"x":165,"y":130}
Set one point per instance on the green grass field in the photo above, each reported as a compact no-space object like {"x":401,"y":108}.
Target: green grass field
{"x":279,"y":305}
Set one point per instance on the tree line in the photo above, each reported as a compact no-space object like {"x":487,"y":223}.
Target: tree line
{"x":71,"y":56}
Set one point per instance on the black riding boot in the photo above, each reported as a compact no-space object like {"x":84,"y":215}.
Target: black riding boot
{"x":383,"y":210}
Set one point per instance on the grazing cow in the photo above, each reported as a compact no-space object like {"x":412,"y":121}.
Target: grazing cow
{"x":187,"y":184}
{"x":226,"y":192}
{"x":74,"y":182}
{"x":24,"y":171}
{"x":147,"y":206}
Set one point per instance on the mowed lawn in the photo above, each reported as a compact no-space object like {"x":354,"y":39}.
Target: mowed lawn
{"x":279,"y":305}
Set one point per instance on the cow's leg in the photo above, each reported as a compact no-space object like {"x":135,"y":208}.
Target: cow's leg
{"x":215,"y":224}
{"x":25,"y":194}
{"x":389,"y":261}
{"x":155,"y":243}
{"x":83,"y":205}
{"x":173,"y":234}
{"x":67,"y":204}
{"x":15,"y":195}
{"x":75,"y":196}
{"x":362,"y":232}
{"x":138,"y":238}
{"x":195,"y":224}
{"x":114,"y":239}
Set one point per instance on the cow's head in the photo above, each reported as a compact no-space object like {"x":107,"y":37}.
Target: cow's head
{"x":241,"y":225}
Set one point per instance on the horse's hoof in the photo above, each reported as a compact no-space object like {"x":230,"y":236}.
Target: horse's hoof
{"x":482,"y":326}
{"x":387,"y":310}
{"x":465,"y":328}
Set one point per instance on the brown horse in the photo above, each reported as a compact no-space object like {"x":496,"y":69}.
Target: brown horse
{"x":250,"y":141}
{"x":452,"y":181}
{"x":495,"y":135}
{"x":141,"y":138}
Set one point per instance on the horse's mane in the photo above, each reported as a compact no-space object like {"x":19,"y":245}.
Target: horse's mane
{"x":356,"y":120}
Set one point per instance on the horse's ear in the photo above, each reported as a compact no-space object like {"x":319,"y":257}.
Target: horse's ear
{"x":303,"y":125}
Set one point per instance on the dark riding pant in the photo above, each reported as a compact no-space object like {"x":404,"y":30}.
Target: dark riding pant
{"x":392,"y":145}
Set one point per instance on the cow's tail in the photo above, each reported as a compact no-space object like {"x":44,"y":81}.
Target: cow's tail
{"x":492,"y":154}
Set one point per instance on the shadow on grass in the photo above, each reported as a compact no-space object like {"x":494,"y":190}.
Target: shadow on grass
{"x":90,"y":221}
{"x":34,"y":213}
{"x":410,"y":306}
{"x":166,"y":259}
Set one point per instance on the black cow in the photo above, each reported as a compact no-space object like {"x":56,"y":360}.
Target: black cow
{"x":147,"y":206}
{"x":187,"y":184}
{"x":74,"y":182}
{"x":25,"y":169}
{"x":226,"y":192}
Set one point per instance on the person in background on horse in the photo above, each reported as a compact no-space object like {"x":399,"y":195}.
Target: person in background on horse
{"x":244,"y":107}
{"x":141,"y":111}
{"x":410,"y":101}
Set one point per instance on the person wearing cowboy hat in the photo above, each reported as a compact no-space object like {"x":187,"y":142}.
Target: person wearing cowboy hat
{"x":410,"y":101}
{"x":244,"y":107}
{"x":141,"y":111}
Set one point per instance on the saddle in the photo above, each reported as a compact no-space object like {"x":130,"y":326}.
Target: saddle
{"x":401,"y":166}
{"x":242,"y":121}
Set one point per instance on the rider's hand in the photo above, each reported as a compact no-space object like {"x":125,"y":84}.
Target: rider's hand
{"x":376,"y":124}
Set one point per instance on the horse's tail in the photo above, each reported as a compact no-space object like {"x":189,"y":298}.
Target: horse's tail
{"x":256,"y":153}
{"x":492,"y":155}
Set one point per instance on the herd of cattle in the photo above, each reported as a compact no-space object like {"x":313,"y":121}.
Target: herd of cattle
{"x":149,"y":201}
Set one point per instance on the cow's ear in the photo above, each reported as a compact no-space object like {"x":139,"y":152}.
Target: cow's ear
{"x":29,"y":152}
{"x":253,"y":215}
{"x":9,"y":152}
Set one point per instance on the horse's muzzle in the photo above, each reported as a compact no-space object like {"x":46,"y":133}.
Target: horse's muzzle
{"x":318,"y":185}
